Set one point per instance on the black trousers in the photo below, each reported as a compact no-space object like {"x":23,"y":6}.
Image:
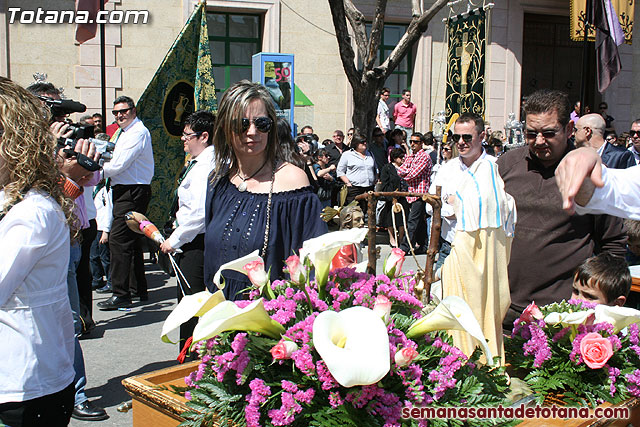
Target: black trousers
{"x":354,"y":191}
{"x":127,"y":264}
{"x":416,"y":226}
{"x":83,"y":272}
{"x":50,"y":410}
{"x":191,"y":263}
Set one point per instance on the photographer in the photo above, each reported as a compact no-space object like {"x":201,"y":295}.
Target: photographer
{"x":78,"y":274}
{"x":36,"y":325}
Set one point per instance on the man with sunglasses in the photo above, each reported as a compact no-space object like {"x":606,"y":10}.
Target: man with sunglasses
{"x":589,"y":132}
{"x":130,"y":171}
{"x":548,"y":243}
{"x":416,"y":171}
{"x":468,"y":136}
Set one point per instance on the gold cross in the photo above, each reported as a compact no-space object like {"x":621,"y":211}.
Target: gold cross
{"x":464,"y":53}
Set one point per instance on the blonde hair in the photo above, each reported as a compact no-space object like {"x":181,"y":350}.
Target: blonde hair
{"x":230,"y":113}
{"x":27,"y":149}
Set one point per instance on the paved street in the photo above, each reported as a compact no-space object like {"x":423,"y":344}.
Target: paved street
{"x":127,"y":343}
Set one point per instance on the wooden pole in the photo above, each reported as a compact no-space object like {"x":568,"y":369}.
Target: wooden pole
{"x":434,"y":243}
{"x":436,"y":204}
{"x":371,"y":235}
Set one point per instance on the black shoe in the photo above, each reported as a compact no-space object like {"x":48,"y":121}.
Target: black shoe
{"x":106,"y":289}
{"x":114,"y":303}
{"x":140,"y":298}
{"x":87,"y":411}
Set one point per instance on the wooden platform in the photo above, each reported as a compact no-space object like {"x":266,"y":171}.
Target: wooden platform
{"x":155,"y":407}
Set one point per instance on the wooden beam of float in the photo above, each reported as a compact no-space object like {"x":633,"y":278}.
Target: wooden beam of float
{"x":434,"y":235}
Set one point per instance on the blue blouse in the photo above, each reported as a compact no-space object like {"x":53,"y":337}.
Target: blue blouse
{"x":235,"y":226}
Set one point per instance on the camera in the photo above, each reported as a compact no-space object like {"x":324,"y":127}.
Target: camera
{"x":105,"y":148}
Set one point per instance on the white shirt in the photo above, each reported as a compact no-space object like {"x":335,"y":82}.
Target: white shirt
{"x":104,"y":209}
{"x":132,"y":161}
{"x":448,"y":177}
{"x":636,"y":155}
{"x":88,"y":196}
{"x":620,"y":195}
{"x":383,"y":114}
{"x":36,"y":327}
{"x":192,"y":195}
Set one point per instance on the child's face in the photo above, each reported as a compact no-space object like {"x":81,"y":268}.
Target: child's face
{"x":592,"y":293}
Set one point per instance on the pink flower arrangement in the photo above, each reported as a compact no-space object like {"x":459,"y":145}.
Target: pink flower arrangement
{"x":595,"y":350}
{"x":287,"y":382}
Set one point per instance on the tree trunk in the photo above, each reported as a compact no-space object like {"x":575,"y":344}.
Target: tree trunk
{"x":365,"y":102}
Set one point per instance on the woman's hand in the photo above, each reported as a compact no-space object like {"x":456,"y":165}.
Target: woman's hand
{"x":166,"y":247}
{"x":104,"y":238}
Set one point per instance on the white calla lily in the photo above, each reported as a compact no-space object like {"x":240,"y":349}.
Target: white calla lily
{"x":322,"y":249}
{"x":453,"y":313}
{"x":227,"y":316}
{"x":619,"y":317}
{"x":354,"y":344}
{"x":190,"y":306}
{"x":236,"y":265}
{"x":568,"y":319}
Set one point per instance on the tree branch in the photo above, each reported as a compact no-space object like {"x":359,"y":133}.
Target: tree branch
{"x":344,"y":41}
{"x":357,"y":22}
{"x":417,"y":26}
{"x":376,"y":34}
{"x":415,"y":8}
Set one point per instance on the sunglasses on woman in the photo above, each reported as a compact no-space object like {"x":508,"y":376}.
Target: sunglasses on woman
{"x":263,"y":124}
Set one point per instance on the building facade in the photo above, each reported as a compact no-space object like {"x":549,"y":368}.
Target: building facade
{"x":528,"y":47}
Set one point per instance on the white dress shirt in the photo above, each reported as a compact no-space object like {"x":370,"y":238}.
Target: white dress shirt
{"x":104,"y":209}
{"x":636,"y":155}
{"x":448,"y":177}
{"x":620,"y":195}
{"x":36,"y":327}
{"x":192,"y":194}
{"x":132,"y":161}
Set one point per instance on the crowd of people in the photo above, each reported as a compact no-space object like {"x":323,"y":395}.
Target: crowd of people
{"x":249,"y":186}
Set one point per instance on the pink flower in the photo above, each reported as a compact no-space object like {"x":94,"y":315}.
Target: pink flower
{"x":256,"y":273}
{"x":531,"y":313}
{"x":295,"y":268}
{"x":405,"y":356}
{"x":595,"y":350}
{"x":283,"y":350}
{"x":382,"y":307}
{"x":393,"y":264}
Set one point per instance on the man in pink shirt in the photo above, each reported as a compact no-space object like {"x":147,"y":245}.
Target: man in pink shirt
{"x":404,"y":113}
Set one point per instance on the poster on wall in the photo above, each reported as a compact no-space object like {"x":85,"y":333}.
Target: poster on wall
{"x":466,"y":64}
{"x":275,"y":72}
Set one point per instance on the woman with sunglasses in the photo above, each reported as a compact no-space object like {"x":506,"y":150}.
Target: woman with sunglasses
{"x":357,"y":169}
{"x":255,"y":199}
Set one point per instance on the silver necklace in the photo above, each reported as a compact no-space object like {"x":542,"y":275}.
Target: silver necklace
{"x":242,"y":187}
